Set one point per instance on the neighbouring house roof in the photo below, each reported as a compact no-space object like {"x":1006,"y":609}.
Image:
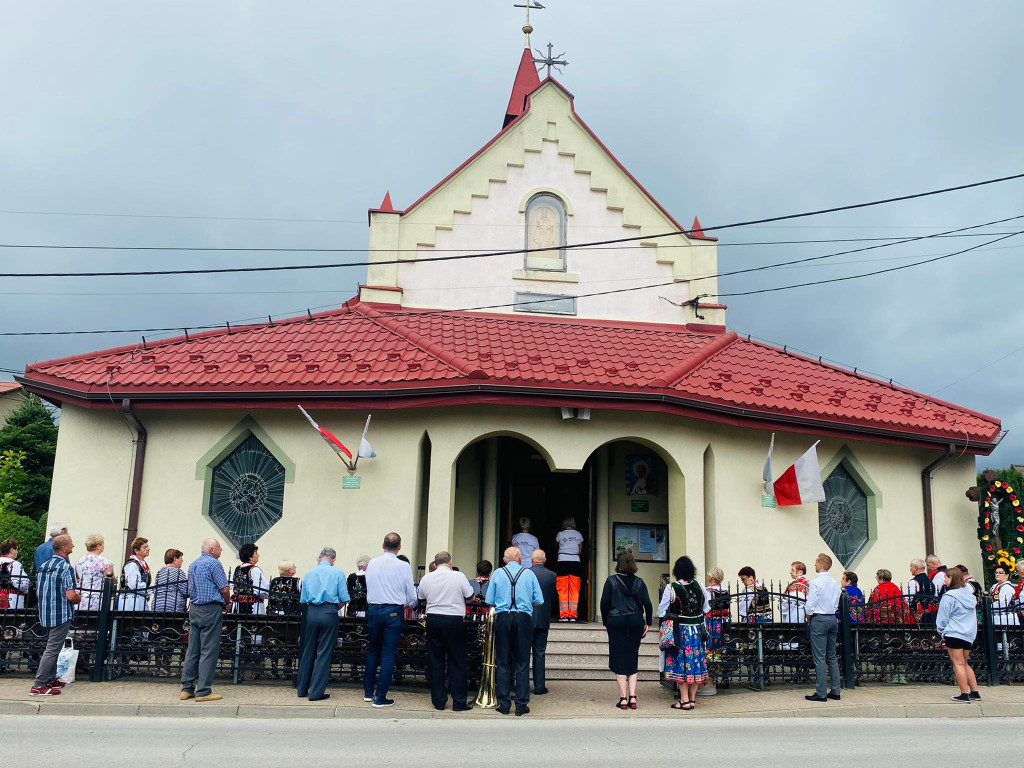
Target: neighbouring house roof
{"x":9,"y":386}
{"x":372,"y":356}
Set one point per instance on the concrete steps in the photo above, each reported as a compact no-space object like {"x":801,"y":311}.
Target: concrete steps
{"x":580,"y":652}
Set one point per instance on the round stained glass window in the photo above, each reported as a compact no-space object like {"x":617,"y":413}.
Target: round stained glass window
{"x":843,"y":516}
{"x":247,"y":492}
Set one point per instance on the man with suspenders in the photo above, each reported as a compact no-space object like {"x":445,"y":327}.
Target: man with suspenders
{"x":513,"y":591}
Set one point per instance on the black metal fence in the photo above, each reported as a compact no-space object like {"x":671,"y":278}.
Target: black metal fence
{"x":760,"y":639}
{"x":115,"y":644}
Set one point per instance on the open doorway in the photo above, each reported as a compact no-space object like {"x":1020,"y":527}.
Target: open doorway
{"x":528,"y":488}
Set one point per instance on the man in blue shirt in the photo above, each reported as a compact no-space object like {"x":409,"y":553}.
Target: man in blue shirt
{"x":324,"y":591}
{"x":513,"y":591}
{"x":57,"y":595}
{"x":45,"y":550}
{"x":208,"y":595}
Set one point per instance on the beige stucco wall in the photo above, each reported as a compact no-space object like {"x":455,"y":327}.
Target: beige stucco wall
{"x":94,"y":456}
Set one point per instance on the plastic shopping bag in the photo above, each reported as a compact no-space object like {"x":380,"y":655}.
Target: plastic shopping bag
{"x":67,"y":660}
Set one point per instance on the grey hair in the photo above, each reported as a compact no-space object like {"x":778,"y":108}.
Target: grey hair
{"x":208,"y":544}
{"x":56,"y":529}
{"x":442,"y":558}
{"x":328,"y":552}
{"x":362,"y":562}
{"x":918,"y":563}
{"x":933,"y":560}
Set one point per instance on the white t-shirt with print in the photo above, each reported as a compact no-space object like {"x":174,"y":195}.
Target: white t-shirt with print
{"x":526,"y":543}
{"x":569,"y":542}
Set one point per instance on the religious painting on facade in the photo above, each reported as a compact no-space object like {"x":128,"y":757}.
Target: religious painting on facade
{"x":545,"y":233}
{"x":641,"y":477}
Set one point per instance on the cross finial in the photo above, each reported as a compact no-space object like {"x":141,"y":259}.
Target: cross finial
{"x":550,"y":60}
{"x":527,"y":29}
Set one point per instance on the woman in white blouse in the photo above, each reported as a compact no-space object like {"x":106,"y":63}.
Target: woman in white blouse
{"x":1004,"y":612}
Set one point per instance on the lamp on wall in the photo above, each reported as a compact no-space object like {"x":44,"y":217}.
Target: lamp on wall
{"x":583,"y":414}
{"x":568,"y":413}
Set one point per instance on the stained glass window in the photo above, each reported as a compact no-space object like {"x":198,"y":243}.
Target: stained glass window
{"x":843,"y":516}
{"x":247,"y":492}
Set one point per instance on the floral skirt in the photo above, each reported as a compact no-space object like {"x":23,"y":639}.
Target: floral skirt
{"x":689,"y":663}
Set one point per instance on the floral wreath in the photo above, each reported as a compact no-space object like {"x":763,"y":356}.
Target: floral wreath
{"x":998,"y":551}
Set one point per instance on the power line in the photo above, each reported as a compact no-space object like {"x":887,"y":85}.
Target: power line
{"x":174,"y":329}
{"x":1011,"y":353}
{"x":516,"y":251}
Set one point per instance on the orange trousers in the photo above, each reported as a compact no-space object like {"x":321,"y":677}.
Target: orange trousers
{"x":568,"y":596}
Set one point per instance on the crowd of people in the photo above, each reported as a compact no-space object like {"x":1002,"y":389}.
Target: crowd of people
{"x":523,"y":593}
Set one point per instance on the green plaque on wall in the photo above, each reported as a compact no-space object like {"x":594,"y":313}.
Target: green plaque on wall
{"x":352,"y":483}
{"x":640,"y":505}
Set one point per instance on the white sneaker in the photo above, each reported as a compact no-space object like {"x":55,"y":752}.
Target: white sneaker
{"x":367,"y":699}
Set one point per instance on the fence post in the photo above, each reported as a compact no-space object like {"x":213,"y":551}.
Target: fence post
{"x":102,"y":631}
{"x":988,"y":635}
{"x":846,"y":646}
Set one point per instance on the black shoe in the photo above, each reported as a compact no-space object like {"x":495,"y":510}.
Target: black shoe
{"x":815,"y":697}
{"x":461,"y":707}
{"x":320,"y":698}
{"x":834,"y":696}
{"x":963,"y":698}
{"x":540,"y":691}
{"x":502,"y":710}
{"x":523,"y":710}
{"x":975,"y":696}
{"x":440,"y":707}
{"x":383,"y":703}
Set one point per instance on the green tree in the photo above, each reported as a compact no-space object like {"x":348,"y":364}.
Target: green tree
{"x":29,"y":534}
{"x":30,"y":430}
{"x":13,"y":480}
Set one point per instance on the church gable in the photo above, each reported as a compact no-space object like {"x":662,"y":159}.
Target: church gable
{"x":483,"y":206}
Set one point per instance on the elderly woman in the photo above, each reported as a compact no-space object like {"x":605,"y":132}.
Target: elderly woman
{"x":1004,"y":612}
{"x":135,"y":578}
{"x":888,"y":606}
{"x":357,"y":588}
{"x":793,"y":602}
{"x":685,"y":603}
{"x":285,"y":591}
{"x":718,"y":615}
{"x":90,"y":572}
{"x":626,"y":611}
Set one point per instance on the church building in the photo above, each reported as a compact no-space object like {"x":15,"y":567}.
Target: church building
{"x":524,"y":384}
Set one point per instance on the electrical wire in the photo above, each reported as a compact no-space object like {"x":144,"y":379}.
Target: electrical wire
{"x":516,"y":251}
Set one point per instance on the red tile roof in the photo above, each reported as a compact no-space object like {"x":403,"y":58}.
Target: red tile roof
{"x":526,"y":82}
{"x":9,"y":386}
{"x":404,"y":357}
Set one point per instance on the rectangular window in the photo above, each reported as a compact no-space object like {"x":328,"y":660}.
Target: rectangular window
{"x":545,"y":303}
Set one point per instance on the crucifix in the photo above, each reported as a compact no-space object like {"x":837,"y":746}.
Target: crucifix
{"x":550,"y":61}
{"x":527,"y":29}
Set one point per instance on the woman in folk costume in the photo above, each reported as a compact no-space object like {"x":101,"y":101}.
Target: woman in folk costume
{"x":793,"y":602}
{"x":570,"y":570}
{"x":685,"y":604}
{"x":1004,"y":611}
{"x":249,"y":584}
{"x":135,"y":578}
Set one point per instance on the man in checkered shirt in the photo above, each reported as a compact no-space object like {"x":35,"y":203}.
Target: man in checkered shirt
{"x":57,"y":595}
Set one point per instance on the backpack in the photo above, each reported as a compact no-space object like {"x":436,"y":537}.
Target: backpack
{"x":6,"y":584}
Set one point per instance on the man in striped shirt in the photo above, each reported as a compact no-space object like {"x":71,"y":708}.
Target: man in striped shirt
{"x":57,"y":596}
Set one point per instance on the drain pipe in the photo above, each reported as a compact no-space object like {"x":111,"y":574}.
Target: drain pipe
{"x":134,"y":503}
{"x":926,"y":492}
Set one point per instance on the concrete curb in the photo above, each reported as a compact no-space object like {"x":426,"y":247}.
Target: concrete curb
{"x":322,"y":712}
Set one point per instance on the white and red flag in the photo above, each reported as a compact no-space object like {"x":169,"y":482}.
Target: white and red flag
{"x":801,"y":483}
{"x":330,"y":439}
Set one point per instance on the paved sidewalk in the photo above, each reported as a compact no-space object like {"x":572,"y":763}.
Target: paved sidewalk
{"x":150,"y":698}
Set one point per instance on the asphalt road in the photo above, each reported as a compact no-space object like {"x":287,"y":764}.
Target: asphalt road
{"x":134,"y":742}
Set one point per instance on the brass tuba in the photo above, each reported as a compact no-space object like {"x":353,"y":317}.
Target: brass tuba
{"x":485,"y":697}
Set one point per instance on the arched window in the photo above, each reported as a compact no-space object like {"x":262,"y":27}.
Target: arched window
{"x":545,"y":229}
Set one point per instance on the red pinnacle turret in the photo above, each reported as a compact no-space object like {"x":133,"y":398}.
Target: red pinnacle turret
{"x":527,"y":81}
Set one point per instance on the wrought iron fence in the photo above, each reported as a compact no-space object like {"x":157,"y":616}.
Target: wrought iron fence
{"x":115,"y":643}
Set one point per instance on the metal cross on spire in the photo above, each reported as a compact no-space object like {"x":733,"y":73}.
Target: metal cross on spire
{"x":528,"y":5}
{"x":550,"y":61}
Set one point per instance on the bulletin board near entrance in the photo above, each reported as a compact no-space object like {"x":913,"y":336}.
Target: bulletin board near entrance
{"x":647,"y":541}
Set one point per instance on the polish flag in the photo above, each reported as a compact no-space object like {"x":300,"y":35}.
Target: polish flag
{"x":330,"y":439}
{"x":801,"y":483}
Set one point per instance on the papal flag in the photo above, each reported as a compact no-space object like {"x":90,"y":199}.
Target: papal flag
{"x":365,"y":451}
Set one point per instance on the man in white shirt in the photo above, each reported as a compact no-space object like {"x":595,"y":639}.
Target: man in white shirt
{"x":570,"y":569}
{"x":446,"y":592}
{"x":821,"y":606}
{"x":525,"y":541}
{"x":389,"y":589}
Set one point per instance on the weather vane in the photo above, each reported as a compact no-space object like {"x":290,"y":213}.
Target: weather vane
{"x":550,"y":61}
{"x":528,"y":5}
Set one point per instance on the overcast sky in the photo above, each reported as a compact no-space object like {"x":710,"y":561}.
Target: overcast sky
{"x":727,"y":110}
